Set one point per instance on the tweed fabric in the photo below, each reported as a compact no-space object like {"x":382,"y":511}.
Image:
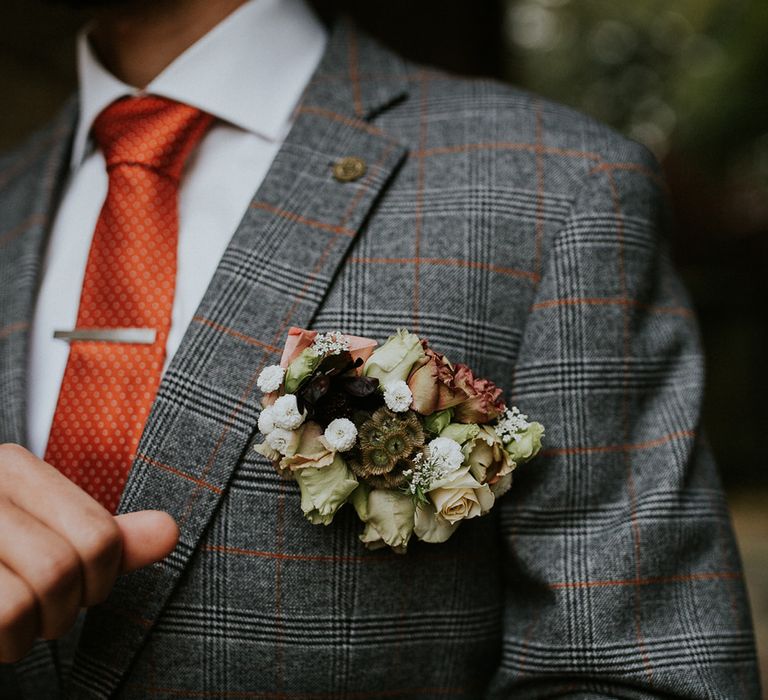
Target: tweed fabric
{"x":523,"y":239}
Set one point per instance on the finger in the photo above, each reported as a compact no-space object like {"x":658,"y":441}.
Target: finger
{"x":46,"y":562}
{"x":148,"y":536}
{"x":42,"y":491}
{"x":18,"y":617}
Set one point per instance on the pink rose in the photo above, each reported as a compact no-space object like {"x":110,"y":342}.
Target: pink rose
{"x":360,"y":347}
{"x":484,"y":402}
{"x":433,"y":385}
{"x":297,"y":341}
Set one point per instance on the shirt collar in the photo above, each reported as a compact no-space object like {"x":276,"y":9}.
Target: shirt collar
{"x":249,"y":70}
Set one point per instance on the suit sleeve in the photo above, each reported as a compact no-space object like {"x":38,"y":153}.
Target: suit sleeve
{"x":622,"y":578}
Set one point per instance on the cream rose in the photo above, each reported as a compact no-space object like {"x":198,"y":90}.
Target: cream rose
{"x":430,"y":526}
{"x":311,"y":452}
{"x":459,"y":496}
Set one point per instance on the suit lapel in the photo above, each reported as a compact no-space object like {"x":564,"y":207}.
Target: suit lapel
{"x":274,"y":274}
{"x":29,"y":189}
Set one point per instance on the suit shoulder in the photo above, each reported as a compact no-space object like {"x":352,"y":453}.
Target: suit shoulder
{"x":488,"y":111}
{"x":20,"y":160}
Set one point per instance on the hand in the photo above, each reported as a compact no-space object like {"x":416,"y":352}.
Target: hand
{"x":61,"y":550}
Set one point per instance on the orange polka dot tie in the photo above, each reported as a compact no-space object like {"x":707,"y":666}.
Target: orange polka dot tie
{"x":108,"y":387}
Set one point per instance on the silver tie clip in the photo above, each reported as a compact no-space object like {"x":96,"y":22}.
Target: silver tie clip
{"x":137,"y":336}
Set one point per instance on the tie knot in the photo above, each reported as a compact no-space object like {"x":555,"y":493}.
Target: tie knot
{"x":149,"y":131}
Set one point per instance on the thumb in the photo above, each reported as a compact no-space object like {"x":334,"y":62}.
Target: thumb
{"x":148,"y":536}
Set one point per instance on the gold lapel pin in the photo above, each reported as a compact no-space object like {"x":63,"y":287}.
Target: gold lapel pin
{"x":349,"y":169}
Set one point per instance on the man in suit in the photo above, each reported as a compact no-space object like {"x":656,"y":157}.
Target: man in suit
{"x":326,"y":182}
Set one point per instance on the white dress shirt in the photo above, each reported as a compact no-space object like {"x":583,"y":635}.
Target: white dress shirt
{"x":249,"y":71}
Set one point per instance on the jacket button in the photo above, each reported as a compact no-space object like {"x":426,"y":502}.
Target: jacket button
{"x":349,"y":168}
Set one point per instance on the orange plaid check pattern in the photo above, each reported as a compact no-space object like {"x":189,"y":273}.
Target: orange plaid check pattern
{"x":108,"y":388}
{"x":520,"y":236}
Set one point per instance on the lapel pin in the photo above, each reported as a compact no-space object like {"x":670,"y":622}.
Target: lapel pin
{"x":349,"y":169}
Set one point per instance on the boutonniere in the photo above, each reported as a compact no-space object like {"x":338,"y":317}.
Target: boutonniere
{"x":414,"y":443}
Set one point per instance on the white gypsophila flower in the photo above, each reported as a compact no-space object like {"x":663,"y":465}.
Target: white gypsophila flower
{"x":510,"y":424}
{"x":267,"y":420}
{"x":446,"y":452}
{"x":270,"y":378}
{"x":341,"y":434}
{"x":426,"y":471}
{"x":281,"y":440}
{"x":397,"y":396}
{"x":286,"y":413}
{"x":333,"y":343}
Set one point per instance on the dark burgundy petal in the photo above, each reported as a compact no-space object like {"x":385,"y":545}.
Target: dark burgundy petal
{"x":336,"y":364}
{"x":316,"y":389}
{"x":360,"y":386}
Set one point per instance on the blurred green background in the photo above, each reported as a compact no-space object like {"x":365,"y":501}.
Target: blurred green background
{"x":689,"y":78}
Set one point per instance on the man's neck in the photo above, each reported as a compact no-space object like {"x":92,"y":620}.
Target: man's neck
{"x":136,"y":42}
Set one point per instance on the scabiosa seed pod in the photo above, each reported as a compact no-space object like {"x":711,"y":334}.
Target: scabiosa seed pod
{"x":387,"y":441}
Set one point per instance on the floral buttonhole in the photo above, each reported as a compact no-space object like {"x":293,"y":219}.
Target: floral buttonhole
{"x":415,"y":443}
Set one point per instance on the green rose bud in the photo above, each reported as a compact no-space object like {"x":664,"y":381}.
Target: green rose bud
{"x":325,"y":490}
{"x":300,"y":369}
{"x":359,"y":500}
{"x":393,"y":360}
{"x":438,"y":421}
{"x":527,"y":444}
{"x":390,"y":520}
{"x":461,"y":432}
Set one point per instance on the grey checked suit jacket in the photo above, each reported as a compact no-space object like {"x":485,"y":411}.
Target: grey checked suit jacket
{"x":519,"y":237}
